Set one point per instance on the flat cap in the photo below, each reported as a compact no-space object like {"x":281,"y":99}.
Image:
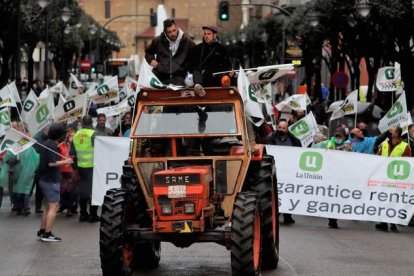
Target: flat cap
{"x":210,"y":27}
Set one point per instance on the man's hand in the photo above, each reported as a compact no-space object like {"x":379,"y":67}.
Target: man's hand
{"x":154,"y":63}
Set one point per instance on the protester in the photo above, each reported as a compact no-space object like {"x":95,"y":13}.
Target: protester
{"x":19,"y":172}
{"x":207,"y":58}
{"x":40,"y":137}
{"x":168,"y":54}
{"x":68,"y":179}
{"x":83,"y":144}
{"x":282,"y":137}
{"x":338,"y":142}
{"x":410,"y":137}
{"x":363,"y":144}
{"x":393,"y":147}
{"x":124,"y":126}
{"x":100,"y":128}
{"x":49,"y":180}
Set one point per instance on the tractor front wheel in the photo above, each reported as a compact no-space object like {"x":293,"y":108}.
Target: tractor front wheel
{"x":246,"y":235}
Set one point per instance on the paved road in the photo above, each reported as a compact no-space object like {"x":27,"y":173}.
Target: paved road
{"x":307,"y":248}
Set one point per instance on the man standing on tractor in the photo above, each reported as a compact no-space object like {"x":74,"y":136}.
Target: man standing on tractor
{"x":207,"y":58}
{"x":168,"y":54}
{"x":82,"y":149}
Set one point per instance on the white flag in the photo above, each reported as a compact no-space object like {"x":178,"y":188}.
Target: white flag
{"x":15,"y":92}
{"x":395,"y":116}
{"x":247,"y":91}
{"x":147,"y":79}
{"x":6,"y":98}
{"x":388,"y":78}
{"x":265,"y":74}
{"x":107,"y":92}
{"x":44,"y":94}
{"x":75,"y":86}
{"x":73,"y":108}
{"x":29,"y":104}
{"x":349,"y":106}
{"x":295,"y":102}
{"x":5,"y":121}
{"x":305,"y":129}
{"x":16,"y":142}
{"x":40,"y":117}
{"x":406,"y":124}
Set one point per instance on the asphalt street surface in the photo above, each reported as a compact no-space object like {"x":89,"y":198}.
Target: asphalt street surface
{"x":308,"y":247}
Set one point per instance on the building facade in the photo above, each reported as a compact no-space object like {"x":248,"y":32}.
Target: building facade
{"x":135,"y":32}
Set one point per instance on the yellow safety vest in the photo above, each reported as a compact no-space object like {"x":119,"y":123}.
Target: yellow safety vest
{"x":397,"y":151}
{"x":84,"y":148}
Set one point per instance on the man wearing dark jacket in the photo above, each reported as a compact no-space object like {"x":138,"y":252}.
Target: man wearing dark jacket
{"x":282,"y":137}
{"x":207,"y":58}
{"x":168,"y":54}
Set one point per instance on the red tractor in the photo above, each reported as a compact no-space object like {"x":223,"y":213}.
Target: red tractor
{"x":193,"y":176}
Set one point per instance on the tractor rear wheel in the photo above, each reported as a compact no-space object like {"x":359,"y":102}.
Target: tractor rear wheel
{"x":264,"y":183}
{"x":246,"y":235}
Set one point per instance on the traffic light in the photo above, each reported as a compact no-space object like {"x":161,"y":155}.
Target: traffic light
{"x":153,"y":19}
{"x":223,"y":12}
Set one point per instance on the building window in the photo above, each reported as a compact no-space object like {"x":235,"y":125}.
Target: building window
{"x":172,"y":13}
{"x":107,"y":8}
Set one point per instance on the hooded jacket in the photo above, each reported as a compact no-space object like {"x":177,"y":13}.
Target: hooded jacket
{"x":159,"y":50}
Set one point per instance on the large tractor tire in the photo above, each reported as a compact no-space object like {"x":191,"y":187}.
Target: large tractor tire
{"x":146,"y":254}
{"x":120,"y":253}
{"x":246,"y":235}
{"x":265,"y":185}
{"x":261,"y":178}
{"x":116,"y":255}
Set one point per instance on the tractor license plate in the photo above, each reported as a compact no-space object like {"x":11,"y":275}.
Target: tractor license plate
{"x":177,"y":191}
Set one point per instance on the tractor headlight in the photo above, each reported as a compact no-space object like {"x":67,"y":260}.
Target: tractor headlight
{"x":166,"y":208}
{"x":189,"y":208}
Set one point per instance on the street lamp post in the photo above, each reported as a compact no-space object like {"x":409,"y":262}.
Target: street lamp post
{"x":43,"y":4}
{"x":65,"y":16}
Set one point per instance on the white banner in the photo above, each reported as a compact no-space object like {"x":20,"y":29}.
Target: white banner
{"x":388,"y":78}
{"x":305,"y":129}
{"x":344,"y":185}
{"x":349,"y":106}
{"x":75,"y":86}
{"x":28,"y":105}
{"x":266,"y":74}
{"x":14,"y":92}
{"x":118,"y":109}
{"x":5,"y":121}
{"x":16,"y":142}
{"x":247,"y":92}
{"x":72,"y":109}
{"x":395,"y":116}
{"x":107,"y":92}
{"x":6,"y":98}
{"x":107,"y":169}
{"x":295,"y":102}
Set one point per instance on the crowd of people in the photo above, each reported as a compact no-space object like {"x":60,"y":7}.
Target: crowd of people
{"x":58,"y":169}
{"x":390,"y":143}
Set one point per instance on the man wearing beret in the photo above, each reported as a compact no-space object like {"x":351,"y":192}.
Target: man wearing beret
{"x":207,"y":58}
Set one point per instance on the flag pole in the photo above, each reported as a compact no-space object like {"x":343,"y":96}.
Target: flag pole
{"x":34,"y":141}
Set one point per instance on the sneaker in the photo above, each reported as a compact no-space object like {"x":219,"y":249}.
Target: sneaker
{"x":84,"y":218}
{"x":94,"y":218}
{"x":49,"y":237}
{"x":40,"y":233}
{"x":288,"y":219}
{"x":381,"y":226}
{"x":199,"y":90}
{"x":333,"y":224}
{"x":39,"y":211}
{"x":393,"y":227}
